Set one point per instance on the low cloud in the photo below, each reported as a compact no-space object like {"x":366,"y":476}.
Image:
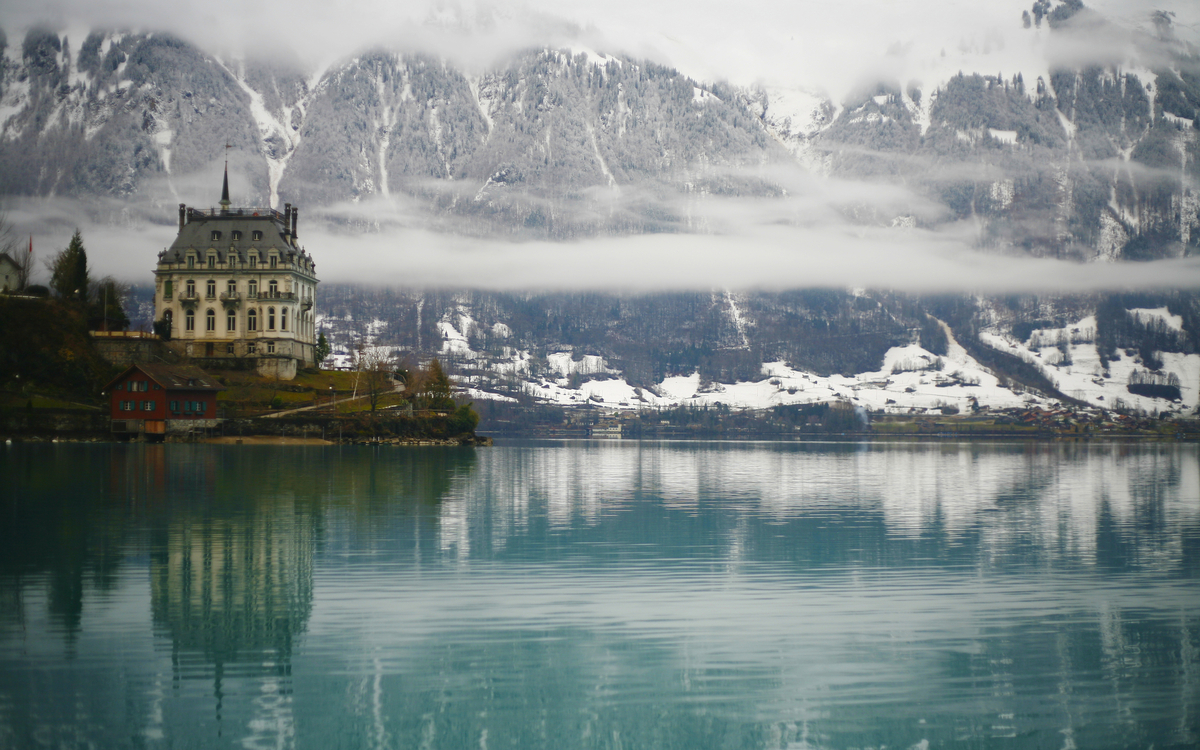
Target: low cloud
{"x":807,"y":238}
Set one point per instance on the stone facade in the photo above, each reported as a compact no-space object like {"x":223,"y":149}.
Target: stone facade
{"x":236,"y":284}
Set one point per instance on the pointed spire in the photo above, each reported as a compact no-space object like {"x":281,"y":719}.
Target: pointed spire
{"x":225,"y":183}
{"x":225,"y":190}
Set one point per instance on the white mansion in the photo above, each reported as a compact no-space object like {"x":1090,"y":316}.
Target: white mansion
{"x":236,"y":285}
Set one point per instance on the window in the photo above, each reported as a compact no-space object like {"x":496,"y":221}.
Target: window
{"x":283,"y":319}
{"x":189,"y":321}
{"x":235,"y":235}
{"x":210,"y":289}
{"x":168,"y":288}
{"x":251,"y":348}
{"x":199,"y":407}
{"x":216,"y":235}
{"x":229,"y":347}
{"x":174,"y":407}
{"x":254,"y":260}
{"x":191,"y":288}
{"x":270,"y":347}
{"x":147,"y":406}
{"x":191,"y":261}
{"x":119,"y":387}
{"x":210,"y":320}
{"x":272,"y":261}
{"x":270,"y":319}
{"x":212,"y":261}
{"x":168,"y":316}
{"x":230,"y":323}
{"x":256,"y":235}
{"x":231,"y":288}
{"x":252,"y":321}
{"x":274,"y":287}
{"x":252,"y":288}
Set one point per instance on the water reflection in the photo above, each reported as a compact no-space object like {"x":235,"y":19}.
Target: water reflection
{"x":840,"y":504}
{"x":601,"y":595}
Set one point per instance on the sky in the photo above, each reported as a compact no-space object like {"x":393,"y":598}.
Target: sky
{"x":826,"y":48}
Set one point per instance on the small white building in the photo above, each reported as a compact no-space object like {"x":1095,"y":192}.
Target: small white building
{"x":236,"y":285}
{"x":10,"y":274}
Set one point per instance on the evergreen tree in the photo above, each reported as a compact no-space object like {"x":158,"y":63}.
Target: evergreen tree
{"x":437,"y":387}
{"x":69,"y":271}
{"x":321,"y":350}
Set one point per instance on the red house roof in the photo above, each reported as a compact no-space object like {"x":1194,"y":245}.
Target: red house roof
{"x":172,"y":377}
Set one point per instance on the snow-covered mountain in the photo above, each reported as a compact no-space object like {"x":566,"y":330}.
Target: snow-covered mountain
{"x":879,"y":350}
{"x":1086,"y":164}
{"x":1091,"y":163}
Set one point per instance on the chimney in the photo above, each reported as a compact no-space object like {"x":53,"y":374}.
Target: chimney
{"x":295,"y":221}
{"x":287,"y":219}
{"x":182,"y":216}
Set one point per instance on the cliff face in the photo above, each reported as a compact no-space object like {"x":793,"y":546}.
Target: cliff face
{"x":1092,"y":164}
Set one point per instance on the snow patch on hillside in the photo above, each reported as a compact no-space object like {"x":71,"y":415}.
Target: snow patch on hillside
{"x":1145,"y":316}
{"x":1068,"y":356}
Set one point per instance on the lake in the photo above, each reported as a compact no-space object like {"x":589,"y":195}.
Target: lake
{"x":584,"y":594}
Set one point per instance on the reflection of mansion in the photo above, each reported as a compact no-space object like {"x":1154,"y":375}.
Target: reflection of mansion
{"x":235,"y":289}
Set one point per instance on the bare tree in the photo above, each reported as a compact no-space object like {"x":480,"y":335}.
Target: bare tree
{"x":375,"y":367}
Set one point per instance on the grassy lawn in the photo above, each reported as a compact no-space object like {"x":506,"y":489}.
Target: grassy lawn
{"x":251,"y":392}
{"x":18,"y":401}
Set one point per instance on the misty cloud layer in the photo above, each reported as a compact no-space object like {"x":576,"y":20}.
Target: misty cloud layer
{"x":819,"y":231}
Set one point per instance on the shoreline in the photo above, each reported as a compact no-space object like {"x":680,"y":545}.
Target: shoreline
{"x":488,"y":439}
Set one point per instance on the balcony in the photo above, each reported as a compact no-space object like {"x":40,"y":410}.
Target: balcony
{"x":231,"y":299}
{"x":272,"y":295}
{"x":189,"y":299}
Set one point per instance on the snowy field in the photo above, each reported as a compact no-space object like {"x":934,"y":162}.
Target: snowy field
{"x":911,"y":380}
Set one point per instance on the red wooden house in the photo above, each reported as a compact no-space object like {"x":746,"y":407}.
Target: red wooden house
{"x":157,"y":399}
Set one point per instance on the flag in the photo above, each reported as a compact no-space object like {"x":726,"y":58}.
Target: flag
{"x":31,"y":244}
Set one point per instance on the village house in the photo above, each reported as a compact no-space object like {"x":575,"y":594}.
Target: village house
{"x":10,"y":274}
{"x":236,"y":289}
{"x":153,"y":401}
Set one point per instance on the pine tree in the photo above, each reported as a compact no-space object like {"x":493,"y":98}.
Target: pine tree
{"x":69,"y":271}
{"x":321,"y":350}
{"x":438,"y":387}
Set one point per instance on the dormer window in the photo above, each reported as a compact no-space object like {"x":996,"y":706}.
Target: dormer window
{"x":254,"y":260}
{"x":235,"y":235}
{"x":191,"y":261}
{"x":212,"y":261}
{"x":216,"y":235}
{"x":256,"y":235}
{"x":272,"y":261}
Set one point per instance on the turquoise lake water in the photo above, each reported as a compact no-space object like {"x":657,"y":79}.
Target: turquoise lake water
{"x":614,"y":594}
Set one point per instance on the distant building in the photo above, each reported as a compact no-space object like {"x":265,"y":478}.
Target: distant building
{"x":10,"y":274}
{"x":235,"y":285}
{"x":155,"y":400}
